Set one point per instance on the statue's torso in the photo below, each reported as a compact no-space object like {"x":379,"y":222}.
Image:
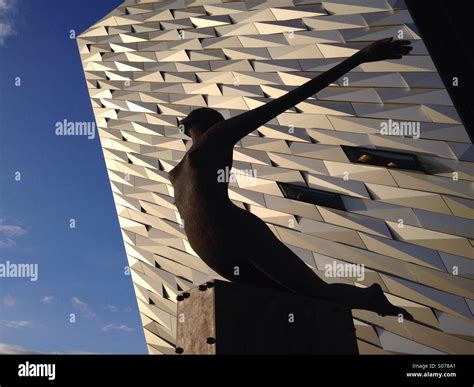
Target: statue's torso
{"x":203,"y":203}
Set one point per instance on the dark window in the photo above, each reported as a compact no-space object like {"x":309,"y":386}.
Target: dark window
{"x":313,"y":196}
{"x":383,"y":158}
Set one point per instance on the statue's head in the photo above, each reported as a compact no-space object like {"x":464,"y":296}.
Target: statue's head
{"x":199,"y":120}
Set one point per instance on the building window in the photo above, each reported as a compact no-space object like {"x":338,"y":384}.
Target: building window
{"x":312,"y":196}
{"x":383,"y":158}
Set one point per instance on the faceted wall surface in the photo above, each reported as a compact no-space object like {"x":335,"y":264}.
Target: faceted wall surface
{"x":149,"y":63}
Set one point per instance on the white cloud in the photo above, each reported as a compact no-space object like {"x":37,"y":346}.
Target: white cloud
{"x":6,"y":29}
{"x":16,"y":324}
{"x":114,"y":327}
{"x":47,"y":300}
{"x":9,"y":232}
{"x":7,"y":243}
{"x":83,"y":307}
{"x":5,"y":4}
{"x":9,"y":349}
{"x":7,"y":8}
{"x":111,"y":308}
{"x":9,"y":300}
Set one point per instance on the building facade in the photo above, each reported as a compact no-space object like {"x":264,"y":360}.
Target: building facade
{"x":371,"y":173}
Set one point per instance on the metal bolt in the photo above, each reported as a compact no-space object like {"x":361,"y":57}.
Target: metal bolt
{"x":179,"y":350}
{"x":210,"y":340}
{"x":186,"y":295}
{"x":180,"y":297}
{"x":202,"y":288}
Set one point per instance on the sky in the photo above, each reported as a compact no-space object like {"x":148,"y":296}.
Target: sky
{"x":56,"y":204}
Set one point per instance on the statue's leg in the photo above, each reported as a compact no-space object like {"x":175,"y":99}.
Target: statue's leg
{"x":286,"y":269}
{"x":245,"y":272}
{"x":272,"y":263}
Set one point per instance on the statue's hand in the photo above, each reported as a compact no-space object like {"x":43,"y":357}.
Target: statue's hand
{"x":384,"y":49}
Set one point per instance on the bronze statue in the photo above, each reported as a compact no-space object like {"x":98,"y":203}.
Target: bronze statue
{"x":237,"y":244}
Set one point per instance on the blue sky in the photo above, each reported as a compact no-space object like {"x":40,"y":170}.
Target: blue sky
{"x":81,"y":270}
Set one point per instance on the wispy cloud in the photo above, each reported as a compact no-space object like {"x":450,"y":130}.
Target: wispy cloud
{"x":111,"y":308}
{"x":9,"y":300}
{"x":9,"y":349}
{"x":114,"y":327}
{"x":7,"y":9}
{"x":5,"y":4}
{"x":16,"y":324}
{"x":47,"y":300}
{"x":115,"y":308}
{"x":9,"y":232}
{"x":83,"y":307}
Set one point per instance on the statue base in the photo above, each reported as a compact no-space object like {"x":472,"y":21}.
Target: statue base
{"x":230,"y":318}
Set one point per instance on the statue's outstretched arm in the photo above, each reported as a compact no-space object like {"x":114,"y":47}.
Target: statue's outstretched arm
{"x":236,"y":128}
